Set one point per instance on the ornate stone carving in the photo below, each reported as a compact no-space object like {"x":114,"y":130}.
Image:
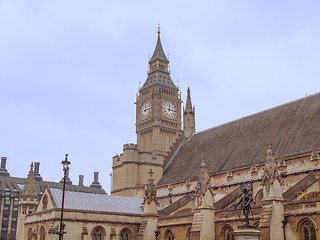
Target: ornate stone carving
{"x":271,"y":171}
{"x":150,"y":192}
{"x":203,"y":183}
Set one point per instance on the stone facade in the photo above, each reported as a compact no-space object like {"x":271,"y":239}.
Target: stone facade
{"x":196,"y":178}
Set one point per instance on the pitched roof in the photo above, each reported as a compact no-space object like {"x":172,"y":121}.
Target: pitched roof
{"x":98,"y":202}
{"x":292,"y":128}
{"x":7,"y":184}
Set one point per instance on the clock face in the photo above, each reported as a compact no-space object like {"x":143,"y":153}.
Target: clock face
{"x":169,"y":109}
{"x":145,"y":110}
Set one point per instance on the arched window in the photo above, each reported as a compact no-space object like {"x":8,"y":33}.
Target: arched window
{"x":45,"y":203}
{"x":98,"y":233}
{"x":29,"y":234}
{"x":169,"y":235}
{"x":308,"y":231}
{"x":228,"y":233}
{"x":42,"y":233}
{"x":125,"y":234}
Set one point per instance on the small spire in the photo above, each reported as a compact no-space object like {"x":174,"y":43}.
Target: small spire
{"x":159,"y":29}
{"x":30,"y":189}
{"x":188,"y":108}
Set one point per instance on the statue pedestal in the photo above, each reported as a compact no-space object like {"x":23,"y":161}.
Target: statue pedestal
{"x":244,"y":233}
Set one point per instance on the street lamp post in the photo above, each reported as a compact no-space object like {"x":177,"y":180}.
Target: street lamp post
{"x":65,"y":164}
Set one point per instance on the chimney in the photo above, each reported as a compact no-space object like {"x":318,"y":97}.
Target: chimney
{"x":96,"y":177}
{"x":96,"y":183}
{"x":3,"y":170}
{"x":81,"y":180}
{"x":36,"y":171}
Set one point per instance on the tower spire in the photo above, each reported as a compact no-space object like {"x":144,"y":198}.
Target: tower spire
{"x":30,"y":189}
{"x":188,"y":108}
{"x":189,"y":117}
{"x":158,"y":53}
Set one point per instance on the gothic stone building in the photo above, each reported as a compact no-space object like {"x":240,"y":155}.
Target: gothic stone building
{"x":12,"y":188}
{"x":178,"y":184}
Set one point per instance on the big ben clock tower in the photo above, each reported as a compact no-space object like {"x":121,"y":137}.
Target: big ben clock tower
{"x":158,"y":124}
{"x":158,"y":114}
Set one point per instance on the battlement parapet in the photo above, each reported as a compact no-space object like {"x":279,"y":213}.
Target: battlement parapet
{"x":130,"y":146}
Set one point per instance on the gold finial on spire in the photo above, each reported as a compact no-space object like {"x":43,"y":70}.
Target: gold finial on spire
{"x":31,"y":166}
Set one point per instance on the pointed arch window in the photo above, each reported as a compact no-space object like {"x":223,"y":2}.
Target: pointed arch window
{"x":308,"y":231}
{"x":42,"y":233}
{"x":29,"y":234}
{"x":229,"y":234}
{"x":97,"y":233}
{"x":125,"y":234}
{"x":169,"y":235}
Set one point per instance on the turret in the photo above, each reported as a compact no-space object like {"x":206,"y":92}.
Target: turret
{"x":188,"y":117}
{"x":28,"y":201}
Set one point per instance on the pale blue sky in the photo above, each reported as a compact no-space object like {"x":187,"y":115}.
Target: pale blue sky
{"x":70,"y":70}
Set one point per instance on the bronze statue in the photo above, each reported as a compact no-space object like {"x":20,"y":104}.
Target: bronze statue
{"x":245,"y":200}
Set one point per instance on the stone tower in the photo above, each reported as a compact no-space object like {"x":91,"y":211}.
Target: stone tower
{"x":158,"y":106}
{"x":158,"y":124}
